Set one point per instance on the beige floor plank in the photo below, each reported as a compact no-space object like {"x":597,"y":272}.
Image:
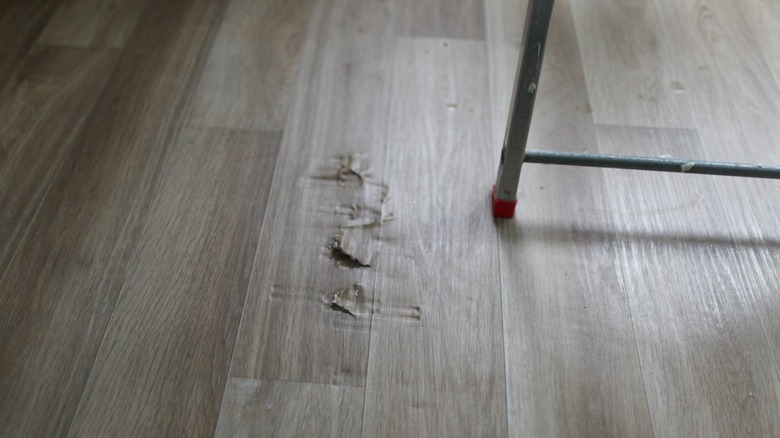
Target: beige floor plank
{"x":572,"y":364}
{"x":733,"y":96}
{"x":690,"y":276}
{"x":58,"y":293}
{"x":626,"y":60}
{"x":763,"y":18}
{"x":248,"y":80}
{"x":329,"y":176}
{"x":735,"y":100}
{"x":275,"y":408}
{"x":165,"y":356}
{"x":21,"y":23}
{"x":93,"y":23}
{"x":735,"y":103}
{"x":41,"y":113}
{"x":436,"y":364}
{"x":693,"y":254}
{"x":381,"y":298}
{"x":443,"y":18}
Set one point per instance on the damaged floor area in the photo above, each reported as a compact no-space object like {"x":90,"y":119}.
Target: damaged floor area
{"x":272,"y":218}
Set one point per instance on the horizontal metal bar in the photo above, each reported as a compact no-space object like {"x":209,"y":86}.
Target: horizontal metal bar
{"x":652,"y":164}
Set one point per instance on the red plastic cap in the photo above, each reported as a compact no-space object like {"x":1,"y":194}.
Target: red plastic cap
{"x":503,"y":209}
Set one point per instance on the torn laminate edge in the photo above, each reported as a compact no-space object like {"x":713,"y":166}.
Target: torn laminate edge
{"x":358,"y":216}
{"x":346,"y":300}
{"x":337,"y":248}
{"x":350,"y":167}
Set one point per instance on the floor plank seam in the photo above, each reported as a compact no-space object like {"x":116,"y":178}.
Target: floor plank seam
{"x":301,"y":382}
{"x":246,"y":292}
{"x":301,"y":77}
{"x":639,"y":358}
{"x":496,"y":119}
{"x":4,"y":81}
{"x":383,"y":213}
{"x":132,"y":220}
{"x":503,"y":328}
{"x":130,"y":32}
{"x":55,"y":172}
{"x":755,"y":300}
{"x":193,"y":79}
{"x":597,"y":148}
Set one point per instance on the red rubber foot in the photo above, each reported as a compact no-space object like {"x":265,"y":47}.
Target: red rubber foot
{"x":503,"y":209}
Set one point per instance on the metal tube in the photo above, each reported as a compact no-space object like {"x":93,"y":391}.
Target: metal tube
{"x":529,"y":67}
{"x":653,"y":164}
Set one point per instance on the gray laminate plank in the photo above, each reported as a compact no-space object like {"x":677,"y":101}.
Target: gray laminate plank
{"x":21,"y":22}
{"x":443,"y":18}
{"x":690,"y":268}
{"x":164,"y":359}
{"x":328,"y":177}
{"x":41,"y":113}
{"x":572,"y":363}
{"x":250,"y":74}
{"x":58,"y":293}
{"x":92,"y":23}
{"x":436,"y":363}
{"x":277,"y":408}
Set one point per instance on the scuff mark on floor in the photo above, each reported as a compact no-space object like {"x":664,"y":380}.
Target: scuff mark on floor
{"x":350,"y":167}
{"x":345,"y":300}
{"x":337,"y":248}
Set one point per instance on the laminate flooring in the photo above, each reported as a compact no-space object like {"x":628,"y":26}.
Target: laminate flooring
{"x":272,"y":218}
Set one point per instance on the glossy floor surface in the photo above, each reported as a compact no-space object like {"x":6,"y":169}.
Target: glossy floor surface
{"x":272,"y":218}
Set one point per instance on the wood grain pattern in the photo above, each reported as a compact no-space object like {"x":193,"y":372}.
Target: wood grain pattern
{"x":59,"y":291}
{"x":690,"y":276}
{"x":763,"y":18}
{"x":93,"y":23}
{"x":572,"y":365}
{"x":694,"y":254}
{"x":733,"y":95}
{"x":165,"y":356}
{"x":626,"y":61}
{"x":274,"y":408}
{"x":734,"y":99}
{"x":248,"y":78}
{"x":337,"y":126}
{"x":41,"y":112}
{"x":436,"y":357}
{"x":443,"y":18}
{"x":381,"y":299}
{"x":723,"y":365}
{"x":21,"y":21}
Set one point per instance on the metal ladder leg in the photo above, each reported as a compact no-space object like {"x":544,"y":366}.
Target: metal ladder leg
{"x":529,"y":67}
{"x":514,"y":153}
